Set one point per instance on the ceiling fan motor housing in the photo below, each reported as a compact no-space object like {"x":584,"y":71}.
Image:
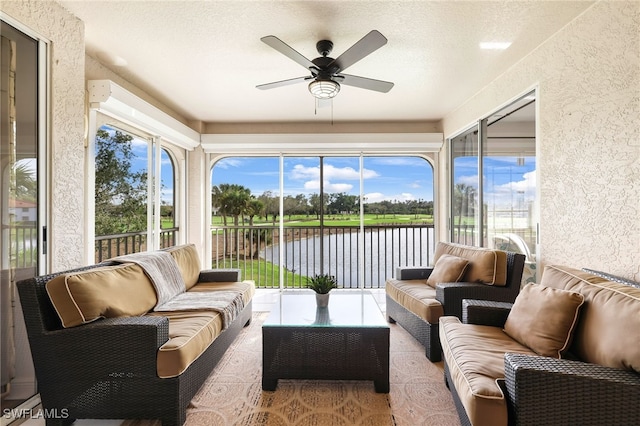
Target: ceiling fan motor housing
{"x":324,"y":47}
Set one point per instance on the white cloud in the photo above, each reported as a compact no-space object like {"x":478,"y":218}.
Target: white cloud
{"x":513,"y":193}
{"x":471,"y":181}
{"x":227,"y":163}
{"x":376,"y":197}
{"x":314,"y":185}
{"x":330,"y":172}
{"x":332,"y":177}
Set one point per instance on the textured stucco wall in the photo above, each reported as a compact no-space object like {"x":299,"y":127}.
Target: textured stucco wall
{"x":588,"y":79}
{"x":65,"y":206}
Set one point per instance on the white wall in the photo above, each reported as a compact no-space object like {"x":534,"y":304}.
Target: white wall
{"x":588,"y":76}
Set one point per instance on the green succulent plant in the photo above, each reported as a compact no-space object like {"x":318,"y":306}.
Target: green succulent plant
{"x":322,"y":284}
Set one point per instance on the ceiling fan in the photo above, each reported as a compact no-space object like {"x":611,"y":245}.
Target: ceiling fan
{"x":326,"y":72}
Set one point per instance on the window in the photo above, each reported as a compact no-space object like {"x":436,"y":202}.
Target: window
{"x":283,"y":219}
{"x":131,"y":206}
{"x":493,"y":175}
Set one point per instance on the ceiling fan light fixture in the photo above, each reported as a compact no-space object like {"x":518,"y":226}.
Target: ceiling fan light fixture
{"x":324,"y":89}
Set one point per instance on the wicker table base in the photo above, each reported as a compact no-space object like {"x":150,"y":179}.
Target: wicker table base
{"x":335,"y":345}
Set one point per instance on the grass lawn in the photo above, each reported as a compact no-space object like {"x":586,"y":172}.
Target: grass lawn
{"x":342,"y":220}
{"x":265,"y":274}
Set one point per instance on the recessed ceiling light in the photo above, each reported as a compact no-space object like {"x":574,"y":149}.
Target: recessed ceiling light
{"x":495,"y":45}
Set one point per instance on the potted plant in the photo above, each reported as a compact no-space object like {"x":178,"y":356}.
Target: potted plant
{"x":322,"y":284}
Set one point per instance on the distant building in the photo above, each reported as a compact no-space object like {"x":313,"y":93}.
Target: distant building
{"x":23,"y":211}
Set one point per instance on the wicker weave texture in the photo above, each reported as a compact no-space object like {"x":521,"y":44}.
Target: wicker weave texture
{"x":331,"y":353}
{"x":543,"y":390}
{"x":107,"y":369}
{"x":423,"y":331}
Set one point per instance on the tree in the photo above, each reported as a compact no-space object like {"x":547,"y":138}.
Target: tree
{"x":25,"y":182}
{"x":120,"y":192}
{"x":464,"y":200}
{"x":231,"y":200}
{"x":271,"y":205}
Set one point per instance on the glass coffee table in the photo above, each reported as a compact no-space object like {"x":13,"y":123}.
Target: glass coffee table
{"x":348,"y":340}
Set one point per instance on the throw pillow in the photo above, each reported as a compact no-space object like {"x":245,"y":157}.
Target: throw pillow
{"x":543,"y":319}
{"x":448,"y":269}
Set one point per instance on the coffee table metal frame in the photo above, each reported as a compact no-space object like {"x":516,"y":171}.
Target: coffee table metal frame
{"x":333,"y":345}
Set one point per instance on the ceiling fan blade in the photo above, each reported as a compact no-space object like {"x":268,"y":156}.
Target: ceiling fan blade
{"x":364,"y":83}
{"x":282,"y":83}
{"x":366,"y":45}
{"x":287,"y":50}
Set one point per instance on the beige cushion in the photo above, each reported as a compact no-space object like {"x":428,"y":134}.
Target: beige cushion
{"x":417,"y":297}
{"x":486,"y":266}
{"x":190,"y":334}
{"x":609,"y":325}
{"x":475,"y":357}
{"x":543,"y":319}
{"x":186,"y":256}
{"x":448,"y":269}
{"x":110,"y":291}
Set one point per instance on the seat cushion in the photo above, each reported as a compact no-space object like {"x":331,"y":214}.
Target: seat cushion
{"x":475,"y":357}
{"x":190,"y":334}
{"x":102,"y":292}
{"x":486,"y":266}
{"x":417,"y":297}
{"x":543,"y":319}
{"x":448,"y":269}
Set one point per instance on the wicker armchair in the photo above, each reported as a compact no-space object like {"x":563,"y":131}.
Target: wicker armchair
{"x":106,"y":369}
{"x":450,"y":296}
{"x":543,"y":390}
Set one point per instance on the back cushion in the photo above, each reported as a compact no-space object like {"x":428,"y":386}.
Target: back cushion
{"x":188,"y":261}
{"x":608,"y":329}
{"x":486,"y":266}
{"x":109,"y":291}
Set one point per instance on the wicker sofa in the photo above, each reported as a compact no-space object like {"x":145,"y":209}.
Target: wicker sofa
{"x":566,"y":352}
{"x":104,"y":347}
{"x":460,"y":272}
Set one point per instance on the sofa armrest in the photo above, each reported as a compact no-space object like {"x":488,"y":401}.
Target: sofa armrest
{"x":105,"y":346}
{"x":485,"y":312}
{"x":451,"y":295}
{"x":542,"y":390}
{"x":413,"y":272}
{"x":220,"y":275}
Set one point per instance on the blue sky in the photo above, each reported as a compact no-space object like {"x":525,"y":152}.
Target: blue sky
{"x":505,"y":180}
{"x":385,"y":178}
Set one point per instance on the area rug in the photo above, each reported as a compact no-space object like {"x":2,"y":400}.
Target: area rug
{"x":233,"y":395}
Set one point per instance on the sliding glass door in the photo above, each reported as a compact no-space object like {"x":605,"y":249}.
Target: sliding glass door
{"x":22,"y":246}
{"x":283,"y":219}
{"x":493,"y":176}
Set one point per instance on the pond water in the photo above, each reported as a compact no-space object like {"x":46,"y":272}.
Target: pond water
{"x":384,"y":250}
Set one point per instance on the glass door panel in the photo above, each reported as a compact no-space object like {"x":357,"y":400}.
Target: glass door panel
{"x":245,"y":217}
{"x":509,"y":176}
{"x":465,"y":224}
{"x":20,"y":247}
{"x":398,"y":216}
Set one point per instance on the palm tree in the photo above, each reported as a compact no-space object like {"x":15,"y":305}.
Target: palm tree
{"x":25,"y":182}
{"x":463,"y":201}
{"x":231,"y":200}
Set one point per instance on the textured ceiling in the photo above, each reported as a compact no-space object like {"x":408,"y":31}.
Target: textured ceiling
{"x":204,"y":58}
